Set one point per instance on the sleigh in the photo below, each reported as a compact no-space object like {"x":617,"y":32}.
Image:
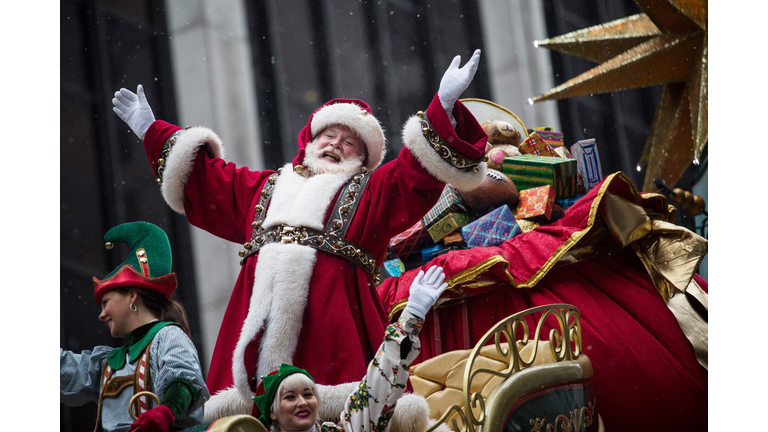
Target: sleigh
{"x":625,"y":276}
{"x":519,"y":373}
{"x":519,"y":376}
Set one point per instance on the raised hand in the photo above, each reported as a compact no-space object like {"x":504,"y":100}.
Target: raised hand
{"x":133,"y":109}
{"x":455,"y":81}
{"x":425,"y":290}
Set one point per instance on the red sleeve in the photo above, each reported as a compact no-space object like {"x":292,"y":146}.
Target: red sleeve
{"x":468,"y":138}
{"x":215,"y":196}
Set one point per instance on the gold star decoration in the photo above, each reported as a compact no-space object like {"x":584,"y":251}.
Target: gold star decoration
{"x":666,"y":45}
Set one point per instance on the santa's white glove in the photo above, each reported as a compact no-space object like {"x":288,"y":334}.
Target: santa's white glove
{"x":134,"y":109}
{"x":425,"y":290}
{"x":455,"y":81}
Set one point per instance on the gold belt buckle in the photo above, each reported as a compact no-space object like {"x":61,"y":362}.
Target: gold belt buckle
{"x":288,"y":234}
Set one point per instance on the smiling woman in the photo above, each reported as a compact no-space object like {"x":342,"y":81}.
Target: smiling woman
{"x":135,"y":303}
{"x":287,"y":400}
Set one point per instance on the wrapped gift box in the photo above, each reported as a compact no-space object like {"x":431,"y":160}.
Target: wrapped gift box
{"x":428,"y":253}
{"x":492,"y":229}
{"x":555,"y":139}
{"x":449,"y":202}
{"x":564,"y":203}
{"x":450,"y":223}
{"x":535,"y":203}
{"x":535,"y":145}
{"x":453,"y":239}
{"x":410,"y":240}
{"x":530,"y":171}
{"x":563,"y":152}
{"x":537,"y":129}
{"x":393,"y":268}
{"x":588,"y":163}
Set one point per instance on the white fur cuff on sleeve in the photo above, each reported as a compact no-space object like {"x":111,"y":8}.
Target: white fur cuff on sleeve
{"x":423,"y":152}
{"x":178,"y":165}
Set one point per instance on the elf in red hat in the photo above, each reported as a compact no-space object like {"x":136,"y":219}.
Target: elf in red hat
{"x":159,"y":356}
{"x":314,"y":232}
{"x":287,"y":399}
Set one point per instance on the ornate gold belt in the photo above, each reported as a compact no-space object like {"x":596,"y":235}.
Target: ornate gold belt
{"x":322,"y":241}
{"x":330,"y":240}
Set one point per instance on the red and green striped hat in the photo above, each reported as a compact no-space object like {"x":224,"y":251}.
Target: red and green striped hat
{"x":148,"y":264}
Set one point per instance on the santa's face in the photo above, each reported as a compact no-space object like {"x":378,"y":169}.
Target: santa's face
{"x":336,"y":149}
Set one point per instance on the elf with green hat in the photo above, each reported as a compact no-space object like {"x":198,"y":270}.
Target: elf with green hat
{"x":287,"y":399}
{"x":159,"y":356}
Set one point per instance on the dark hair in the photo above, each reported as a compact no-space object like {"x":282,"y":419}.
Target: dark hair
{"x":165,"y":310}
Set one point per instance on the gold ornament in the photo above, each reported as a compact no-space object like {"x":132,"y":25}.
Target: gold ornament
{"x":666,"y":45}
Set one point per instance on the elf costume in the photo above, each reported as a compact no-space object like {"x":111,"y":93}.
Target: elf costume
{"x":159,"y":356}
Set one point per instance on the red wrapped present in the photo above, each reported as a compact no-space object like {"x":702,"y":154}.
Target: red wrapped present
{"x":536,"y":202}
{"x":409,"y":241}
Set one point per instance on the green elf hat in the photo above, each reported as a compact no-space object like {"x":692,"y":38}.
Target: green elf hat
{"x":265,"y":392}
{"x":148,"y":265}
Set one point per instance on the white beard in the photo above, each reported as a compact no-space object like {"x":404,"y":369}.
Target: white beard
{"x":314,"y":162}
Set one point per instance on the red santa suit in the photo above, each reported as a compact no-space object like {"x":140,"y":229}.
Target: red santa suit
{"x":291,"y":303}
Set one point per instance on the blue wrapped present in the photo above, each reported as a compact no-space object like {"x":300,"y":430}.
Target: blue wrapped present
{"x":492,"y":229}
{"x":587,"y":162}
{"x":394,"y":267}
{"x":564,"y":203}
{"x":429,"y":252}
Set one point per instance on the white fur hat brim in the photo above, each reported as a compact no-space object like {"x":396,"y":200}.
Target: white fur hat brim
{"x":360,"y":120}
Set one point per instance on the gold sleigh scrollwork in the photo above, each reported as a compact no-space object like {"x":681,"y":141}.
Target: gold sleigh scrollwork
{"x":580,"y":419}
{"x":564,"y":342}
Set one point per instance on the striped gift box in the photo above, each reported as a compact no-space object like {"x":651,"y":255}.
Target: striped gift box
{"x":535,"y":202}
{"x":449,"y":224}
{"x":588,"y":162}
{"x":530,"y":171}
{"x":555,"y":139}
{"x":492,"y":229}
{"x":449,"y":202}
{"x":538,"y":129}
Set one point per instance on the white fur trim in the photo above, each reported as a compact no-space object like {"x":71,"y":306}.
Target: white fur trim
{"x":332,"y":400}
{"x":434,"y":164}
{"x":178,"y":165}
{"x":279,"y":297}
{"x":226,"y":403}
{"x":366,"y":125}
{"x":411,"y":414}
{"x":442,"y":428}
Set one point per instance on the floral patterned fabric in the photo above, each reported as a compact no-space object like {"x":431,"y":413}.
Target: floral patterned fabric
{"x":370,"y":407}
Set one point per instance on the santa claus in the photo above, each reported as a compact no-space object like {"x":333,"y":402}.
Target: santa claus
{"x":314,"y":232}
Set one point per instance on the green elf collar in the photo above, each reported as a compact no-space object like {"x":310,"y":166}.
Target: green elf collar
{"x":137,"y":343}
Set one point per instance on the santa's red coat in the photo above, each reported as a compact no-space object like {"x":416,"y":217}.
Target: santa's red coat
{"x":343,"y":322}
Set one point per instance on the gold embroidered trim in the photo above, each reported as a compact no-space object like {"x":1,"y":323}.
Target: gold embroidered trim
{"x":165,"y":152}
{"x":446,"y":153}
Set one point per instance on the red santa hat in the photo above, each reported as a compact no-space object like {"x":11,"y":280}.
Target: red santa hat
{"x":354,"y":114}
